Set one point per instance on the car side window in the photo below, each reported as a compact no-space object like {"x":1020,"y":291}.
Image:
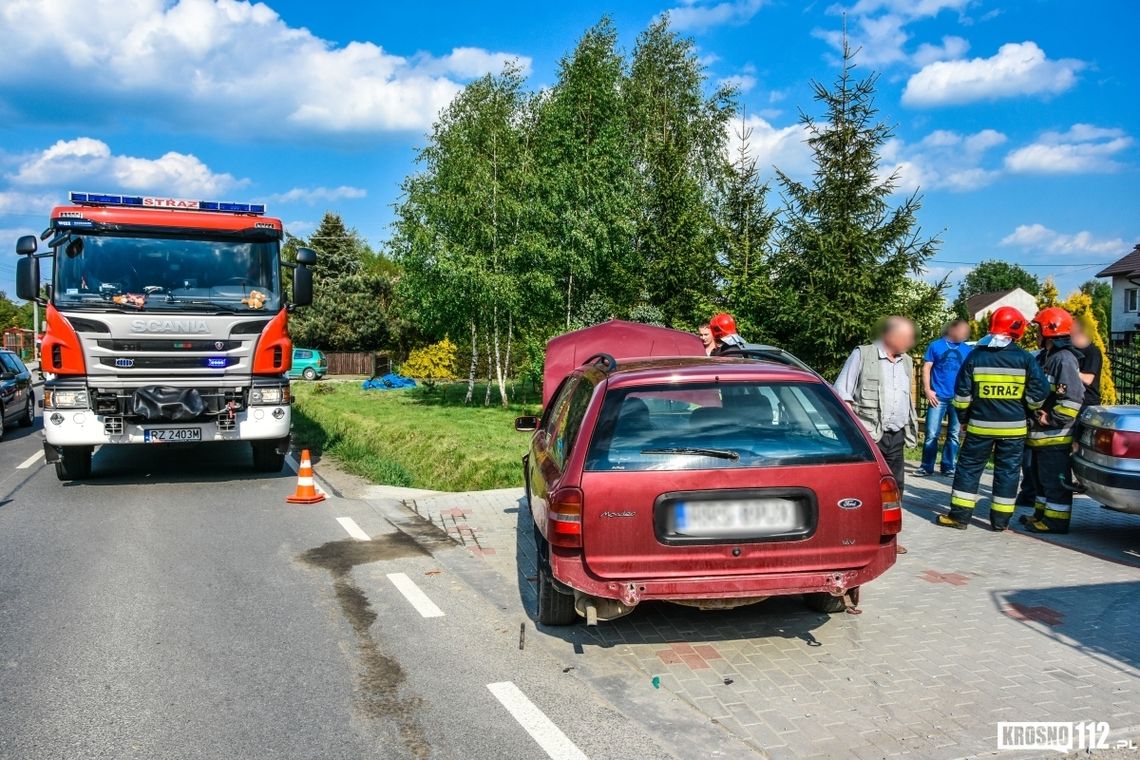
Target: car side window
{"x":10,"y":364}
{"x":571,"y":422}
{"x":557,"y":406}
{"x":301,"y":354}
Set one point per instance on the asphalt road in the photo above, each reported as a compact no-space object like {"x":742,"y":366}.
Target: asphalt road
{"x":174,"y":606}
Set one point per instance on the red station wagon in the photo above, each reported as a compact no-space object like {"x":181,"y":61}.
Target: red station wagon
{"x":713,"y":482}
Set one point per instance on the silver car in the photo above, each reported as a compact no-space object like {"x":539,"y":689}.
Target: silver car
{"x":1106,"y":465}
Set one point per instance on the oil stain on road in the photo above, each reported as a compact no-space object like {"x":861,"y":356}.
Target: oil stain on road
{"x":380,"y":676}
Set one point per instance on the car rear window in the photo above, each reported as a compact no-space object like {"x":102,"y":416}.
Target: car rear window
{"x":723,"y":425}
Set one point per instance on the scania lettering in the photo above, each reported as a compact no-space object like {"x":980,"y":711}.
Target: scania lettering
{"x":166,"y":322}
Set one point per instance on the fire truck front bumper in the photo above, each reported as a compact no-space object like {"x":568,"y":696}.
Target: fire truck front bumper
{"x":83,"y":427}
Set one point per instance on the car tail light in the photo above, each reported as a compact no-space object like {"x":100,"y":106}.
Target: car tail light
{"x":274,"y":354}
{"x":892,"y":506}
{"x":565,"y":518}
{"x":1117,"y":443}
{"x":61,"y":352}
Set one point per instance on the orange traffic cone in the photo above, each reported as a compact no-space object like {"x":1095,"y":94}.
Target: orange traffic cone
{"x":307,"y":492}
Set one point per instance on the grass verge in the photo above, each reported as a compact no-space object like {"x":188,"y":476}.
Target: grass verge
{"x":413,"y":437}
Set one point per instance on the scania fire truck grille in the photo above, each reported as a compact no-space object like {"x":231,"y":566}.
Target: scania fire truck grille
{"x":168,"y":362}
{"x":169,"y":345}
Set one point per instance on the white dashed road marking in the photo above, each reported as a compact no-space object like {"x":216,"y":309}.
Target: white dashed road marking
{"x":415,"y":595}
{"x":549,"y":736}
{"x":353,"y":529}
{"x":30,"y":460}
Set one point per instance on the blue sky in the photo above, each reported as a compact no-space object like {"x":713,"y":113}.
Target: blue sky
{"x":1017,"y":120}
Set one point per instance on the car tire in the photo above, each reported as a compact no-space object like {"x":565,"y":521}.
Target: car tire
{"x":554,"y":607}
{"x":74,"y":463}
{"x":29,"y":417}
{"x":266,"y":457}
{"x":309,"y":374}
{"x":825,"y":603}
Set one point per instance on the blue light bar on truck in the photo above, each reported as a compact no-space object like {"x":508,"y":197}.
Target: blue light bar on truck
{"x":175,"y":204}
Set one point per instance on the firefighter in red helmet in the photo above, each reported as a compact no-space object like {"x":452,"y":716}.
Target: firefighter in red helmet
{"x":723,"y":328}
{"x":1051,"y":436}
{"x":999,"y":384}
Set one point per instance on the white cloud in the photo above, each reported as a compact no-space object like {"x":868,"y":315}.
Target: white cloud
{"x":16,"y":203}
{"x":312,"y":195}
{"x":1038,"y":237}
{"x":951,"y":48}
{"x":88,"y":163}
{"x":742,"y":82}
{"x":880,"y":40}
{"x":1017,"y":69}
{"x":943,"y":160}
{"x":1083,"y":148}
{"x":697,"y":16}
{"x":226,"y":66}
{"x":912,"y":8}
{"x":783,"y":148}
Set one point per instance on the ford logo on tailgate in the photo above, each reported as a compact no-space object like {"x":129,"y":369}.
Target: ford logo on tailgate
{"x":850,"y":503}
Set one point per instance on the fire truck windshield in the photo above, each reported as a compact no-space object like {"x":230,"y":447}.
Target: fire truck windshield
{"x":151,"y":273}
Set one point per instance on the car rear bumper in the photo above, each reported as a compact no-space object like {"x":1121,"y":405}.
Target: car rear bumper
{"x":570,"y":570}
{"x":1115,"y":489}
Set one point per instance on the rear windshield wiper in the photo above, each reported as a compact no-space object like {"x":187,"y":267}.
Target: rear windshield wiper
{"x":717,"y":453}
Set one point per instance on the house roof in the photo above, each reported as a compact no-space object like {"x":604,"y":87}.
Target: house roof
{"x":982,"y":301}
{"x":1130,"y":264}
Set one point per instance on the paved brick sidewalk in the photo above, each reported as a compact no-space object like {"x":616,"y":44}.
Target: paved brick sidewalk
{"x":967,"y":629}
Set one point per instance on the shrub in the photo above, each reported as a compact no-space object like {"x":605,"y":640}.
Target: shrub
{"x":431,"y":364}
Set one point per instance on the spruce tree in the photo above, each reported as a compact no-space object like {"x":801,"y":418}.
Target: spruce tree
{"x":844,"y":254}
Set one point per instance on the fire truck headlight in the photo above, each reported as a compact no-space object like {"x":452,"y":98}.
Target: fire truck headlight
{"x":63,"y":398}
{"x":269,"y":396}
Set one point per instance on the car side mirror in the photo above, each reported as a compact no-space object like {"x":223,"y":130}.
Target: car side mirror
{"x":526,"y":424}
{"x":302,"y":286}
{"x":28,"y":277}
{"x":26,"y":245}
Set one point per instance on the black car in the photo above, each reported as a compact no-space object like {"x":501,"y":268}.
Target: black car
{"x":17,"y":398}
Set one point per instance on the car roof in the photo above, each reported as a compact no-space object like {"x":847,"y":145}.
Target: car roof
{"x":695,"y":369}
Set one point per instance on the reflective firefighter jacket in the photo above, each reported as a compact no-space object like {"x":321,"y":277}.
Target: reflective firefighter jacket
{"x":997,"y":388}
{"x":1066,"y":394}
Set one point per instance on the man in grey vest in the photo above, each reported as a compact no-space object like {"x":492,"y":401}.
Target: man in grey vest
{"x":876,"y":383}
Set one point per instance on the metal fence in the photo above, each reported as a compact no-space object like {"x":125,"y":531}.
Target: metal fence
{"x":1125,"y":362}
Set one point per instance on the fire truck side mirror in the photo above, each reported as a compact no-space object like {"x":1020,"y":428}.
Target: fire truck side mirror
{"x":28,"y":278}
{"x":302,"y":286}
{"x":26,"y":245}
{"x":306,"y":257}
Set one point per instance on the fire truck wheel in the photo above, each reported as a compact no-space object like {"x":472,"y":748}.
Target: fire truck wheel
{"x":266,"y":458}
{"x":29,"y":417}
{"x":74,"y":463}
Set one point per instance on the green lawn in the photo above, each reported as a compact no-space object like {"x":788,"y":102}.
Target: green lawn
{"x":413,"y":437}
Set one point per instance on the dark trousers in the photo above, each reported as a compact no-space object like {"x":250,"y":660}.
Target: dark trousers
{"x":1027,"y":496}
{"x":976,"y":452}
{"x":1051,"y":466}
{"x":893,"y":448}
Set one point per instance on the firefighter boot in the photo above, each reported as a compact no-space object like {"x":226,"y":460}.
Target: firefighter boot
{"x":947,"y":521}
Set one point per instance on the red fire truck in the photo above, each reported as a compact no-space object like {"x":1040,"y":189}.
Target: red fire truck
{"x":166,"y":323}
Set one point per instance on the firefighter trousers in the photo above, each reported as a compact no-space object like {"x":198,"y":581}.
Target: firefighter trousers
{"x":1051,"y":470}
{"x":972,"y":459}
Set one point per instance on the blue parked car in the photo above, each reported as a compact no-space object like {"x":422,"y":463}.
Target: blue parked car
{"x":309,"y":363}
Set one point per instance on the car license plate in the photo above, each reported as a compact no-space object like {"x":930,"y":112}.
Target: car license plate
{"x":752,"y":517}
{"x":172,"y":435}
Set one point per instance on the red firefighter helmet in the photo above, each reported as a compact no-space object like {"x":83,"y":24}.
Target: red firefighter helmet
{"x":1054,"y":322}
{"x":722,"y":325}
{"x":1008,"y":321}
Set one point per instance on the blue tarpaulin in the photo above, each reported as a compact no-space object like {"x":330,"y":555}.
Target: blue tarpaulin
{"x":388,"y":382}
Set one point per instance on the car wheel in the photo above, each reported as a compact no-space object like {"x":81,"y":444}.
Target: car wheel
{"x":826,"y":603}
{"x":309,"y":373}
{"x":554,"y":607}
{"x":29,"y":417}
{"x":266,"y":458}
{"x":74,"y":463}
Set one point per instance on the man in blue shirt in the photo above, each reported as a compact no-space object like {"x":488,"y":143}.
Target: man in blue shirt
{"x":940,"y":367}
